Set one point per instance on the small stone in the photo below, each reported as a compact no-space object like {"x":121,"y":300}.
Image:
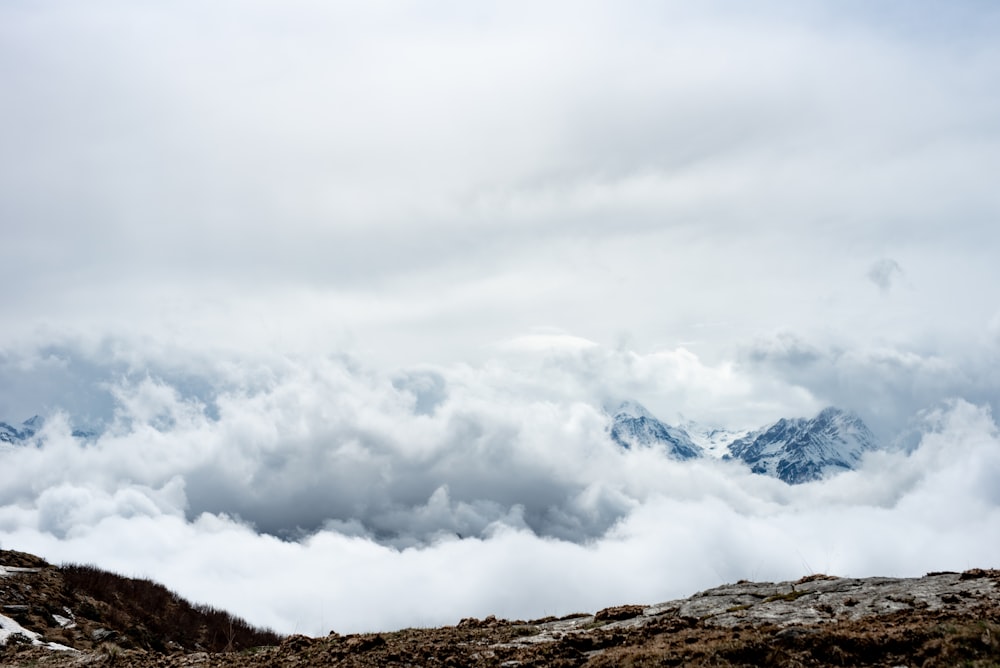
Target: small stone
{"x":794,"y":632}
{"x":618,"y":613}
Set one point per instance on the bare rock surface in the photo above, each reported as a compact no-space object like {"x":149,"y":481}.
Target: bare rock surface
{"x":815,"y":599}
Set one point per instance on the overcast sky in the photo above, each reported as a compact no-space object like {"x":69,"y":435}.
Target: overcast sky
{"x":355,"y":276}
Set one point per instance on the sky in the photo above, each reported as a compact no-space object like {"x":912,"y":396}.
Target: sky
{"x":344,"y":294}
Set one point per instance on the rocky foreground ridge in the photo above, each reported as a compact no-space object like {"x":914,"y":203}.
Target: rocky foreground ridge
{"x":941,"y":619}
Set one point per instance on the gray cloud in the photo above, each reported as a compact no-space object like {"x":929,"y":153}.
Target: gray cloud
{"x":433,"y":168}
{"x":889,"y":386}
{"x":883,"y":273}
{"x":429,"y":389}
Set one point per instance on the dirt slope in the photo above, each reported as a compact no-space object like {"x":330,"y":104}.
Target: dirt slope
{"x":83,"y":607}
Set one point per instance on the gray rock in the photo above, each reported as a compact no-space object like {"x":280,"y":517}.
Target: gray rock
{"x":796,"y":606}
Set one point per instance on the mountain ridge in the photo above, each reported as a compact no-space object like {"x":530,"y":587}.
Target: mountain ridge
{"x":633,"y":426}
{"x":794,"y":450}
{"x":802,"y":450}
{"x":11,"y":435}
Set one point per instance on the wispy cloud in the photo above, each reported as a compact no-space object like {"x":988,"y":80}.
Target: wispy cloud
{"x":883,"y":273}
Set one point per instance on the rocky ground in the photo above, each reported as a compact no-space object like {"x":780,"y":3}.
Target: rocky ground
{"x":942,"y":619}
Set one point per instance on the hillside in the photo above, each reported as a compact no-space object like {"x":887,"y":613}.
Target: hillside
{"x":941,"y":619}
{"x":56,"y":608}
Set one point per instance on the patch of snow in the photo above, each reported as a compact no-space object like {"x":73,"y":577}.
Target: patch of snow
{"x":713,"y":441}
{"x":9,"y":627}
{"x":64,"y":622}
{"x":10,"y":570}
{"x":631,"y":409}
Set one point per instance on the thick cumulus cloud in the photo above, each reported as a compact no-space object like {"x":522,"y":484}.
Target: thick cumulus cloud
{"x":399,"y":457}
{"x":327,"y":495}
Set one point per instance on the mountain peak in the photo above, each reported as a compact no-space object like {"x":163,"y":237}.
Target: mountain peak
{"x":631,"y":409}
{"x":31,"y":426}
{"x":632,"y":426}
{"x":12,"y":435}
{"x":798,"y":450}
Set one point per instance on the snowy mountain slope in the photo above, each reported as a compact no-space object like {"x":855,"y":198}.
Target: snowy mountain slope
{"x":800,"y":450}
{"x":794,"y":450}
{"x":713,"y":441}
{"x":14,"y":435}
{"x":11,"y":436}
{"x":632,"y":426}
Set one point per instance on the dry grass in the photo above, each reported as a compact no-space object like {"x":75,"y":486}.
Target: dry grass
{"x":153,"y":617}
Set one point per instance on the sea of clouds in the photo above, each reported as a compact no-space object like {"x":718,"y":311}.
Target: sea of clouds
{"x":319,"y":494}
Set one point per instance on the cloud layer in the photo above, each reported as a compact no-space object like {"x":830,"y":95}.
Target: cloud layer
{"x":421,"y":182}
{"x":334,"y":497}
{"x":344,"y":291}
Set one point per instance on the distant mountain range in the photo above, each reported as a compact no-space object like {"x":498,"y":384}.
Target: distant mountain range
{"x":28,"y":428}
{"x":794,"y":450}
{"x":12,"y":435}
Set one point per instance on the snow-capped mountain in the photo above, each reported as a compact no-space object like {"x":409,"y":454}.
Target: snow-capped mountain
{"x":632,"y":426}
{"x":801,"y":450}
{"x":794,"y":450}
{"x":11,"y":434}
